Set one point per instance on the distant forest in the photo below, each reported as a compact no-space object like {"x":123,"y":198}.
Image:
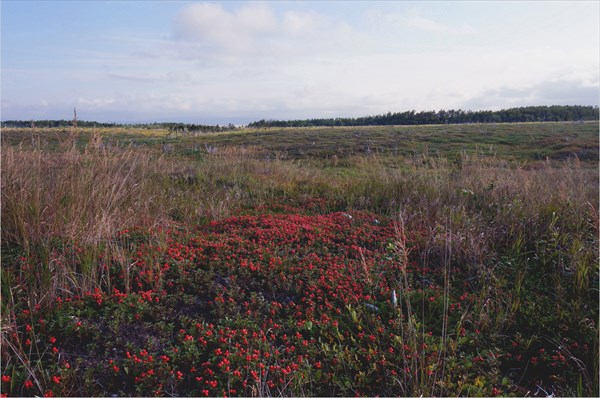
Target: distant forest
{"x":555,"y":113}
{"x":54,"y":123}
{"x":173,"y":127}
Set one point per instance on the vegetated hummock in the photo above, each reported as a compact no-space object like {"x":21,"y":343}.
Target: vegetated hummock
{"x":382,"y":260}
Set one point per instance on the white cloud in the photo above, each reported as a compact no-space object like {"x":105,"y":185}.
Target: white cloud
{"x":210,"y":24}
{"x":255,"y":18}
{"x":179,"y":76}
{"x":429,"y":25}
{"x":425,"y":24}
{"x":551,"y":92}
{"x":209,"y":32}
{"x":132,"y":77}
{"x":173,"y":76}
{"x":336,"y":85}
{"x":301,"y":23}
{"x":413,"y":21}
{"x":96,"y":103}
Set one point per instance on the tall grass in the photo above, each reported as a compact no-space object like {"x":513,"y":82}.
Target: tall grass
{"x":51,"y":200}
{"x":83,"y":196}
{"x":86,"y":196}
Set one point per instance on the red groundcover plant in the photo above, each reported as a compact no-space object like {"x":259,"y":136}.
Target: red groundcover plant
{"x":271,"y":304}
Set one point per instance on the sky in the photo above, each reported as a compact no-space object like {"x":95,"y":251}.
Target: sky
{"x":237,"y":62}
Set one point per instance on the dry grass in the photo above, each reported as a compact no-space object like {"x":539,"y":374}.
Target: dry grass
{"x":54,"y":200}
{"x":81,"y":196}
{"x":86,"y":196}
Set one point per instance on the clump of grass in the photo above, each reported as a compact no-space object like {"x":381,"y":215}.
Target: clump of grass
{"x":51,"y":199}
{"x":80,"y":196}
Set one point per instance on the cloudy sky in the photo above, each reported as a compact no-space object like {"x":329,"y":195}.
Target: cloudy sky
{"x":221,"y":62}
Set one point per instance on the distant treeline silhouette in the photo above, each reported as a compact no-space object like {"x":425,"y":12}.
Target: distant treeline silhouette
{"x":555,"y":113}
{"x":55,"y":123}
{"x":173,"y":127}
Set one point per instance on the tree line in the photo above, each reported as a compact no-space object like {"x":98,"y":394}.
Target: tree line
{"x":54,"y":123}
{"x":555,"y":113}
{"x":172,"y":127}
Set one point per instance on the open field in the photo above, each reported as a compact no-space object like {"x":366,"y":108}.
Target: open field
{"x":265,"y":262}
{"x":509,"y":141}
